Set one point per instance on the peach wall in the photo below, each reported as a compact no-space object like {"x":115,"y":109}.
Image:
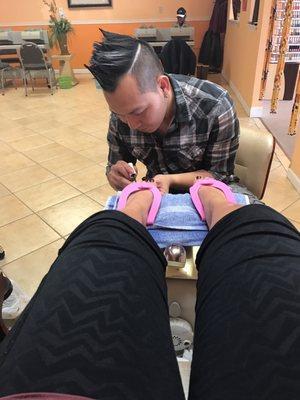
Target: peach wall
{"x":81,"y":41}
{"x":121,"y":18}
{"x":34,"y":10}
{"x":244,"y":53}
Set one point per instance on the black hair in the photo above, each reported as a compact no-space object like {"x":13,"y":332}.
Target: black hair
{"x":181,"y":10}
{"x":118,"y":55}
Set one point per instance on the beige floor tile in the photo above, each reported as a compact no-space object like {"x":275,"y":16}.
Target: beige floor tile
{"x":260,"y":124}
{"x":5,"y":149}
{"x":66,"y":216}
{"x":47,"y":152}
{"x":44,"y":125}
{"x":282,"y":157}
{"x":16,"y":133}
{"x":59,"y":133}
{"x":17,"y":113}
{"x":293,"y":211}
{"x":30,"y":142}
{"x":24,"y":122}
{"x":78,"y":141}
{"x":47,"y":194}
{"x":13,"y":162}
{"x":24,"y":236}
{"x":87,"y":179}
{"x":97,"y":153}
{"x":246,"y":122}
{"x":3,"y":191}
{"x":6,"y":123}
{"x":185,"y":371}
{"x":275,"y":164}
{"x":12,"y":209}
{"x":67,"y":164}
{"x":89,"y":126}
{"x":28,"y":271}
{"x":280,"y":193}
{"x":69,"y":118}
{"x":26,"y":177}
{"x":101,"y":194}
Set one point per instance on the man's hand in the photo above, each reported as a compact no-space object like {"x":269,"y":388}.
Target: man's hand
{"x":119,"y":175}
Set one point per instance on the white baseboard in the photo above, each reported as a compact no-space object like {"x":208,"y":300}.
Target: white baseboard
{"x":256,"y":112}
{"x":294,"y":179}
{"x":81,"y":71}
{"x":253,"y":112}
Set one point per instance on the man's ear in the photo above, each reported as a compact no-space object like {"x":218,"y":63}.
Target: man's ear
{"x":164,"y":83}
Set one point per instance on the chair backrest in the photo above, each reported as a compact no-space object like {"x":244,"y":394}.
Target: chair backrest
{"x":32,"y":56}
{"x":254,"y":158}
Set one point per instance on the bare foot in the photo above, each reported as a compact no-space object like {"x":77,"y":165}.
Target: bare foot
{"x":215,"y":204}
{"x":138,"y":205}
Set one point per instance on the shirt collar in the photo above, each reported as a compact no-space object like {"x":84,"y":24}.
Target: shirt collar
{"x":182,"y":112}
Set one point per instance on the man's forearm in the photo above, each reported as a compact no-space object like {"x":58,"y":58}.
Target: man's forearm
{"x":187,"y":179}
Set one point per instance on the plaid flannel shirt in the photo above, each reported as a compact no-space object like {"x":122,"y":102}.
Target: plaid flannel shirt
{"x":203,"y":135}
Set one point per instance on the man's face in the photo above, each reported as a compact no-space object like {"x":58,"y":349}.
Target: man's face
{"x":180,"y":20}
{"x":141,"y":111}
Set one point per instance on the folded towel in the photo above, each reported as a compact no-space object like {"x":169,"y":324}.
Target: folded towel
{"x":177,"y":220}
{"x":165,"y":237}
{"x":177,"y":211}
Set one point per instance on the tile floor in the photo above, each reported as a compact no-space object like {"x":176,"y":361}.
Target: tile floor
{"x":53,"y":151}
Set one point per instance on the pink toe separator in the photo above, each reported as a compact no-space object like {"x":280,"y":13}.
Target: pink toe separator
{"x":209,"y":182}
{"x":135,"y":187}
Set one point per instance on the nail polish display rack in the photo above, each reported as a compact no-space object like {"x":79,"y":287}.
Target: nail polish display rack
{"x":293,"y":50}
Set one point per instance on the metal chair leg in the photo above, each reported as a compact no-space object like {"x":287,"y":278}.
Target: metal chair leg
{"x":25,"y":82}
{"x":31,"y":81}
{"x":50,"y":81}
{"x":2,"y":81}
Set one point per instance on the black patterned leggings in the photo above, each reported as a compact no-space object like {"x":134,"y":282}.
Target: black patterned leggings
{"x":98,"y":324}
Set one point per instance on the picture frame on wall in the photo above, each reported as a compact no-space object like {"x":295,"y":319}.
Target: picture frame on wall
{"x":89,"y":3}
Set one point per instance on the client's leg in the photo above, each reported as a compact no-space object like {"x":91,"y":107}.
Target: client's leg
{"x":98,"y":325}
{"x":247,"y":333}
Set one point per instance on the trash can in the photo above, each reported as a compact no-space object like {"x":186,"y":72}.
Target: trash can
{"x":65,"y":82}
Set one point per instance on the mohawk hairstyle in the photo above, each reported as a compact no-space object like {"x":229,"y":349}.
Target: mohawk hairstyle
{"x":118,"y":55}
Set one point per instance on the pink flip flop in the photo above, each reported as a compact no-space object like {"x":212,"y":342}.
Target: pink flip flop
{"x":135,"y":187}
{"x":209,"y":182}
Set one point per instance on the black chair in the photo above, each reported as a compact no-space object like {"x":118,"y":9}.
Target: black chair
{"x":34,"y":64}
{"x":178,"y":58}
{"x":6,"y":72}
